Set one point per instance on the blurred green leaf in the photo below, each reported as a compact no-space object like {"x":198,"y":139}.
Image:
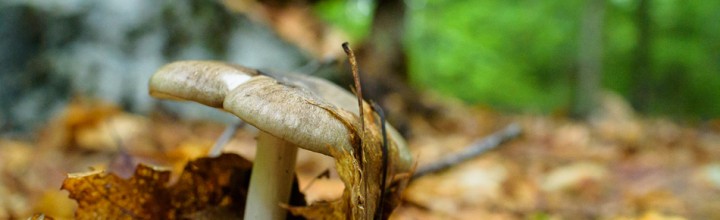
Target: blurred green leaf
{"x":522,"y":55}
{"x":352,"y":16}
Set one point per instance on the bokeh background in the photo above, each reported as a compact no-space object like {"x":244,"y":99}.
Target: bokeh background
{"x":619,"y":100}
{"x":519,"y":56}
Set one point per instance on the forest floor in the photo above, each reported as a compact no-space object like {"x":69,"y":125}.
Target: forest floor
{"x":614,"y":166}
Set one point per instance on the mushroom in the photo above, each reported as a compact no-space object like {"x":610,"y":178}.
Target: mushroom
{"x":290,"y":110}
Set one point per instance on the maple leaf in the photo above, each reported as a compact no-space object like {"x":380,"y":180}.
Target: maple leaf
{"x":206,"y":185}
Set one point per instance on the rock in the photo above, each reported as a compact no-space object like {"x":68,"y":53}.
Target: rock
{"x":109,"y":49}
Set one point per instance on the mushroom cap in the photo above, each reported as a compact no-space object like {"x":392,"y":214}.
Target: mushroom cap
{"x":297,"y":108}
{"x":206,"y":82}
{"x":289,"y":113}
{"x":342,"y":99}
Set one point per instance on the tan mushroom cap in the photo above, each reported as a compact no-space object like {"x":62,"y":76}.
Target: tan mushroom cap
{"x":206,"y":82}
{"x":292,"y":107}
{"x":342,"y":99}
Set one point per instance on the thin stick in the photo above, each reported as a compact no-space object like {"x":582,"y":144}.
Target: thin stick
{"x":224,"y":138}
{"x":324,"y":174}
{"x":356,"y":78}
{"x":476,"y":148}
{"x":358,"y":93}
{"x":122,"y":164}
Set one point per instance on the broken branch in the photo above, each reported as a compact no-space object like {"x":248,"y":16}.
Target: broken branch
{"x":476,"y":148}
{"x":224,"y":138}
{"x":356,"y":78}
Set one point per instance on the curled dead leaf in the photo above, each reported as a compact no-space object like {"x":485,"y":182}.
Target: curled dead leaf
{"x":206,"y":184}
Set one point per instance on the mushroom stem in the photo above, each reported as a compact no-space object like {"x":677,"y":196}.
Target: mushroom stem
{"x":271,"y":178}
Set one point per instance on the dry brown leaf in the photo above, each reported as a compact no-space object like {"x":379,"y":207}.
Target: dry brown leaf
{"x":97,"y":126}
{"x":573,"y":175}
{"x":205,"y":183}
{"x":55,"y":203}
{"x":473,"y":183}
{"x":652,"y":215}
{"x":79,"y":116}
{"x":40,"y":217}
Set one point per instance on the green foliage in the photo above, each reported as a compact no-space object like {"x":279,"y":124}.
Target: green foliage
{"x":688,"y":49}
{"x":522,"y":55}
{"x":685,"y":63}
{"x":352,"y":16}
{"x":515,"y":55}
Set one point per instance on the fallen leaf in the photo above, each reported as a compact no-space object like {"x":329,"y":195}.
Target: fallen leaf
{"x":572,"y":175}
{"x":205,"y":183}
{"x":55,"y":203}
{"x":652,"y":215}
{"x":473,"y":183}
{"x":40,"y":217}
{"x":80,"y":116}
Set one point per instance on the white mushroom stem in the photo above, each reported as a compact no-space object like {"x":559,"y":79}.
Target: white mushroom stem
{"x":271,"y":179}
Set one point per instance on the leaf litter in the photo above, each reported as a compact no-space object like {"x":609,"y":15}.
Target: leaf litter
{"x":558,"y":169}
{"x":218,"y":183}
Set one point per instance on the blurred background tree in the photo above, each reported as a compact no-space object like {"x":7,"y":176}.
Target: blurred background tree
{"x":518,"y":56}
{"x":536,"y":56}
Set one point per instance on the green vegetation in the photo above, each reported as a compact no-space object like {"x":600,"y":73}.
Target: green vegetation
{"x":522,"y":55}
{"x":353,"y":17}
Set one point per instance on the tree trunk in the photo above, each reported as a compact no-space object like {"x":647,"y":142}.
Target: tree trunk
{"x":589,"y":77}
{"x":382,"y":57}
{"x":383,"y":63}
{"x":641,"y":94}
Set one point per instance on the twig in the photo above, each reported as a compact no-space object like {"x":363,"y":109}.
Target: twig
{"x":476,"y":148}
{"x":324,"y":174}
{"x":356,"y":78}
{"x":123,"y":164}
{"x":224,"y":138}
{"x":358,"y":93}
